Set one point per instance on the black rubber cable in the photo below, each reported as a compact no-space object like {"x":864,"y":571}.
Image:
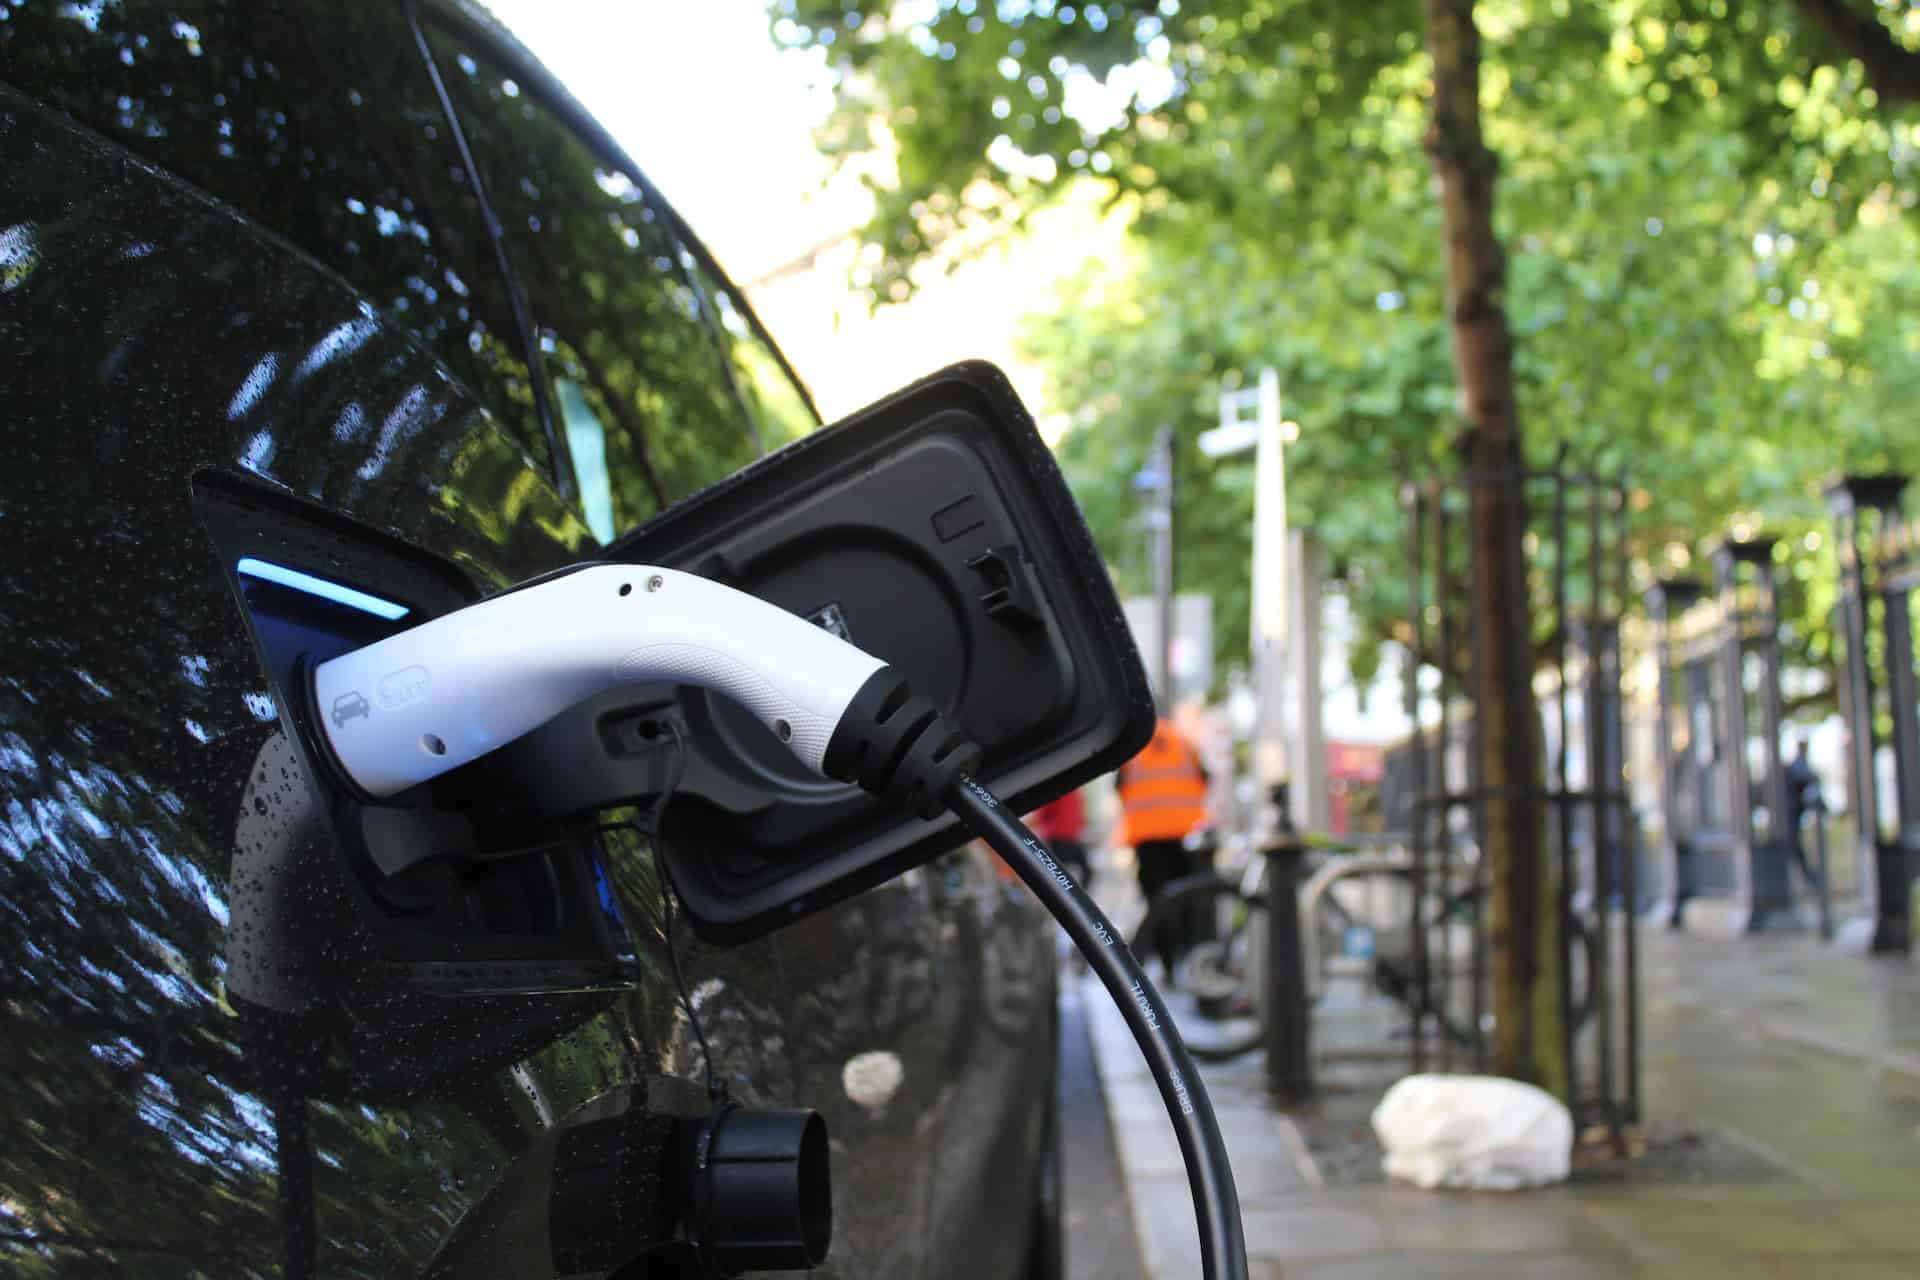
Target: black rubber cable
{"x":1216,"y":1204}
{"x":649,"y":828}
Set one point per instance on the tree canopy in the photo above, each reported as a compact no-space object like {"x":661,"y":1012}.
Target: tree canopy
{"x":1707,"y":209}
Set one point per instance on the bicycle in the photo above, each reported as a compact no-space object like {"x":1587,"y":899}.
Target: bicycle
{"x":1221,"y":968}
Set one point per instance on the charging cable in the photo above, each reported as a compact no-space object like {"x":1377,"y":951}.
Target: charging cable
{"x":404,"y":710}
{"x":1216,"y":1203}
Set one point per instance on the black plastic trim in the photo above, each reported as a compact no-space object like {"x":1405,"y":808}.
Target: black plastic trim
{"x":1066,"y":701}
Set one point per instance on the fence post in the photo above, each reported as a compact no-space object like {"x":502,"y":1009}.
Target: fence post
{"x":1288,"y":1027}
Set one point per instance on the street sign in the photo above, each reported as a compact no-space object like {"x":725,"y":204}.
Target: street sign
{"x":1225,"y":441}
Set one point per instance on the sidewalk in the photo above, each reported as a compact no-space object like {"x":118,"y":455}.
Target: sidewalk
{"x":1807,"y":1058}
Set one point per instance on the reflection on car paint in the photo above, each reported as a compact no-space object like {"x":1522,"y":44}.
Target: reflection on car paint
{"x":309,"y":118}
{"x":871,"y":1079}
{"x":127,"y":1047}
{"x":19,"y":255}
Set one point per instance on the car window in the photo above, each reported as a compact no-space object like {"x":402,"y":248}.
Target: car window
{"x":642,"y":380}
{"x":777,"y":402}
{"x":318,"y":122}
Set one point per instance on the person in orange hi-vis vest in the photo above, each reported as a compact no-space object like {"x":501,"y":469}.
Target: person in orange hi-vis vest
{"x":1163,"y":799}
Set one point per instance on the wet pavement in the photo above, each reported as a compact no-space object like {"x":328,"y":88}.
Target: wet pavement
{"x":1805,"y":1057}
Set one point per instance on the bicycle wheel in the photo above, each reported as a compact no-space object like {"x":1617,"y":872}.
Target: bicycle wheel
{"x":1359,"y":918}
{"x":1210,"y":925}
{"x":1582,"y":946}
{"x":1371,"y":928}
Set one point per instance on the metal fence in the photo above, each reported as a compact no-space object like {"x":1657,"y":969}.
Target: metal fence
{"x":1578,"y":576}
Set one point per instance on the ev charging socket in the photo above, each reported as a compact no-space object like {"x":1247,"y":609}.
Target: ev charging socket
{"x":761,"y":1189}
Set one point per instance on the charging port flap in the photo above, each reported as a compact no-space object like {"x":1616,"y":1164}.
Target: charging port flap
{"x":935,"y":531}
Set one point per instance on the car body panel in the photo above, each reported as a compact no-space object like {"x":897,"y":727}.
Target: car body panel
{"x":136,"y":710}
{"x":155,"y":814}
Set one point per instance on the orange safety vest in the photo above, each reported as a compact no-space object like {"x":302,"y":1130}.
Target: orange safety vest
{"x":1163,"y":792}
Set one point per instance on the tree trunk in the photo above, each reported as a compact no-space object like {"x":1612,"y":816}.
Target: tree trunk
{"x":1857,"y":32}
{"x":1508,"y":766}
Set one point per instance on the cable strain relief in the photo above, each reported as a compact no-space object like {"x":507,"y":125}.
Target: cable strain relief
{"x":899,"y":746}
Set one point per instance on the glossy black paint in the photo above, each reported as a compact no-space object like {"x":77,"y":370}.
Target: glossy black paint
{"x":160,"y":831}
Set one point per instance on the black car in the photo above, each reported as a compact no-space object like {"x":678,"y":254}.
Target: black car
{"x":260,"y":330}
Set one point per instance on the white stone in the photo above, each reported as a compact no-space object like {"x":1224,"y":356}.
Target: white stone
{"x":1478,"y":1132}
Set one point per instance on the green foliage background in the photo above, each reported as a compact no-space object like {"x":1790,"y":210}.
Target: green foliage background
{"x":1708,"y":207}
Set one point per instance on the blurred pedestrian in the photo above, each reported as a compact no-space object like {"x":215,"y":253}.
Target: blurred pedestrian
{"x":1062,"y":827}
{"x":1163,"y":800}
{"x":1803,"y":798}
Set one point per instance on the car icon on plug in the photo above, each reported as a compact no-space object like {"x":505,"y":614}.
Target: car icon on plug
{"x":347,"y":706}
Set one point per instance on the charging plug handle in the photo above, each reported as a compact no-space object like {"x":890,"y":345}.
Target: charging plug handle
{"x":406,"y":709}
{"x":898,"y":746}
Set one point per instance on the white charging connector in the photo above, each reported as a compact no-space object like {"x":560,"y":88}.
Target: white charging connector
{"x":406,"y":709}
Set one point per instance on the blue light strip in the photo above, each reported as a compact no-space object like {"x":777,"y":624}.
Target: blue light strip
{"x":267,"y":571}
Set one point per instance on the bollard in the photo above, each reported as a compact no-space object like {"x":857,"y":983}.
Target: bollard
{"x":1284,"y":989}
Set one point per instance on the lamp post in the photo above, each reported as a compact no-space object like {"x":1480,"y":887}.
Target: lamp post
{"x":1276,"y":640}
{"x":1743,"y":577}
{"x":1680,"y":776}
{"x":1879,"y":560}
{"x":1155,"y":482}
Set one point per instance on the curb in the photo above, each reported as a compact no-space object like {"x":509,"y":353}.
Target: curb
{"x":1142,"y":1136}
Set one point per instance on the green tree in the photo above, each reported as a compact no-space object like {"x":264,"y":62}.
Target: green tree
{"x":1295,"y":165}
